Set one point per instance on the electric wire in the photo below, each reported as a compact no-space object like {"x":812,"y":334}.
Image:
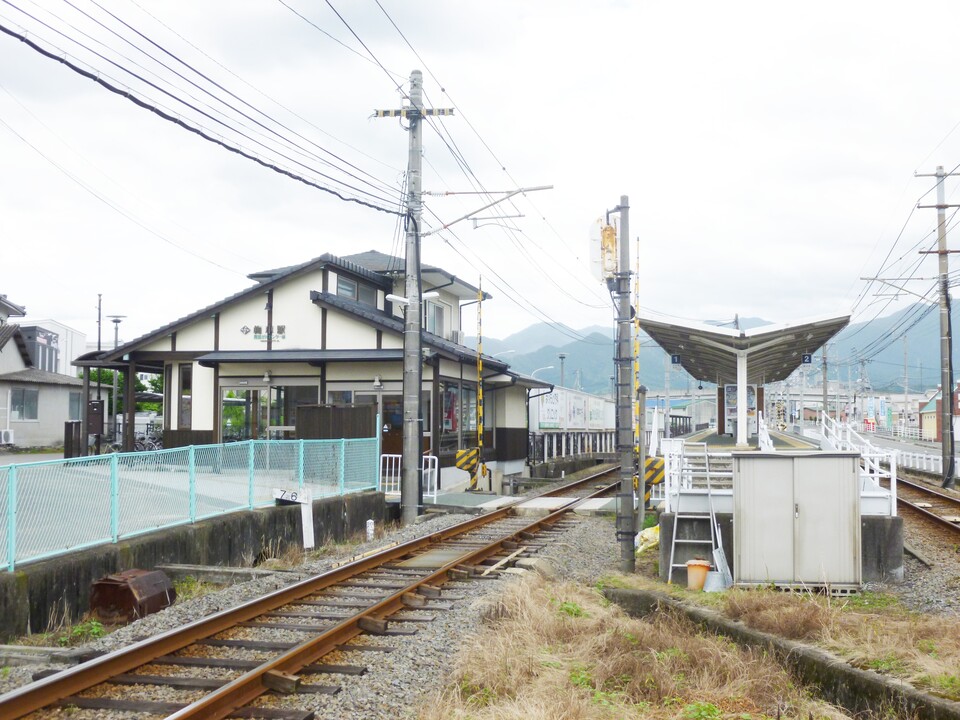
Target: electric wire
{"x":199,"y":131}
{"x":377,"y":184}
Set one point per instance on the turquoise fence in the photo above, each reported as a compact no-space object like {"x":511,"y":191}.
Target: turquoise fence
{"x":59,"y":506}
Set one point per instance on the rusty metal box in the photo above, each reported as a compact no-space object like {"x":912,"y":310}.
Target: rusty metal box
{"x":131,"y":594}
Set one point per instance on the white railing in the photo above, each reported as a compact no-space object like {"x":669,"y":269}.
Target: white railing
{"x":391,"y":475}
{"x":763,"y":434}
{"x":690,"y":466}
{"x":844,"y":438}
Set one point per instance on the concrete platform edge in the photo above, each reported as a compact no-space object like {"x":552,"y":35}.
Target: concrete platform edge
{"x":840,"y":683}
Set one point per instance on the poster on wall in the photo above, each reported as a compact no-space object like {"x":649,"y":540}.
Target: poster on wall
{"x":730,"y":408}
{"x":550,"y":411}
{"x":596,"y":413}
{"x":576,"y":412}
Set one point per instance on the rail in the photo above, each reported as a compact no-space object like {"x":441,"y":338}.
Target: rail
{"x":547,"y":446}
{"x":59,"y":506}
{"x":391,"y":475}
{"x":876,"y":463}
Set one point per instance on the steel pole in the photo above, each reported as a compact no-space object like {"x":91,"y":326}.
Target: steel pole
{"x":626,"y":527}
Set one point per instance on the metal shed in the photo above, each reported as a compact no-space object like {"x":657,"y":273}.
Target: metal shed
{"x":796,"y":519}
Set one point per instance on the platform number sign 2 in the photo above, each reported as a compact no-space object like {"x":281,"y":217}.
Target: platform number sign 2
{"x":806,"y":358}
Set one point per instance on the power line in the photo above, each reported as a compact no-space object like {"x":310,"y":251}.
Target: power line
{"x":187,"y":126}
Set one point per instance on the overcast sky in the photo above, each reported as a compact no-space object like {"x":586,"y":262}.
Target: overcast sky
{"x":768,"y":150}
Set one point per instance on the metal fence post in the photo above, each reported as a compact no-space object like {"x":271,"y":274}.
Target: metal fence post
{"x":250,"y":460}
{"x":343,"y":455}
{"x":114,"y":497}
{"x":192,"y":466}
{"x":376,"y":458}
{"x":300,"y":463}
{"x":11,"y":517}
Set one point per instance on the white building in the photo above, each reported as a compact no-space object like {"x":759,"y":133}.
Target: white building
{"x":323,"y":332}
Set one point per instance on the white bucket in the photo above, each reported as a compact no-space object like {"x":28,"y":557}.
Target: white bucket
{"x":714,"y":582}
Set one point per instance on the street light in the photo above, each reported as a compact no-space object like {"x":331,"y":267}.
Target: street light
{"x":502,"y":352}
{"x":546,"y":367}
{"x":562,"y":356}
{"x":116,"y":319}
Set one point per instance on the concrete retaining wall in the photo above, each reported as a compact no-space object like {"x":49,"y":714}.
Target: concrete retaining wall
{"x":568,"y":465}
{"x":881,"y":546}
{"x":853,"y":689}
{"x":60,"y":587}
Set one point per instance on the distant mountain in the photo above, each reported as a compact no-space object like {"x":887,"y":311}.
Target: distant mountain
{"x":879,"y":343}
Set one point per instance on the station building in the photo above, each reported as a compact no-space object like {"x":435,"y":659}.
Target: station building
{"x":324,"y":333}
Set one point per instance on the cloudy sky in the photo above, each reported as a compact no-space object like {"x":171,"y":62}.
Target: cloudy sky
{"x":768,"y":149}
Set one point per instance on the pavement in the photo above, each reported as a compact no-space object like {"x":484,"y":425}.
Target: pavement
{"x":16,"y":458}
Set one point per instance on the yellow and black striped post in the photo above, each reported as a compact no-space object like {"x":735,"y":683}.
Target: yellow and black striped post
{"x":654,"y":474}
{"x":481,"y":469}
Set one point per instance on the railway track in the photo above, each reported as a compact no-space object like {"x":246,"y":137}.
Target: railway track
{"x":219,"y":666}
{"x":932,"y":504}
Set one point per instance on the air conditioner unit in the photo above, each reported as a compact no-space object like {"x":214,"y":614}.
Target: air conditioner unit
{"x":457,"y":336}
{"x":6,"y":437}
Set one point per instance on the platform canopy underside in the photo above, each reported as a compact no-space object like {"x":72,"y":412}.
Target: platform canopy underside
{"x":709,"y":353}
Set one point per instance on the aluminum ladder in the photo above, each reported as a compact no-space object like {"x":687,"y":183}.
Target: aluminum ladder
{"x":692,"y":518}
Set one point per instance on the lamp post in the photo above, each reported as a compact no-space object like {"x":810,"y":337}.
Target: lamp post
{"x":116,"y":319}
{"x":502,"y":352}
{"x":562,"y":356}
{"x":545,"y":367}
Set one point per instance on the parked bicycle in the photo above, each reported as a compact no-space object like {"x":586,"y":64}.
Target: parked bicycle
{"x":145,"y":441}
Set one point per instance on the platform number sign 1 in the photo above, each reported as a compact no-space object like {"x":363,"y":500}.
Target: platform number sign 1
{"x":806,"y":358}
{"x":675,"y":359}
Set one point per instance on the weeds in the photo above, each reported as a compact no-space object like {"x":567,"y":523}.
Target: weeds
{"x":82,"y":632}
{"x":532,"y":662}
{"x":190,"y":588}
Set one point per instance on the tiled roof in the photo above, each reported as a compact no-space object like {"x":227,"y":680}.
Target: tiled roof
{"x":35,"y":376}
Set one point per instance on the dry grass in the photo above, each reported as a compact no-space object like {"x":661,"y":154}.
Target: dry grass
{"x":871,"y":631}
{"x":560,"y":651}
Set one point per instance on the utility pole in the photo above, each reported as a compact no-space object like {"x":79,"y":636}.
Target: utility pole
{"x":626,"y":527}
{"x":411,"y":488}
{"x":825,"y":411}
{"x":562,"y":356}
{"x":666,"y":405}
{"x":906,"y":414}
{"x":946,"y":343}
{"x":99,"y":370}
{"x":116,"y":319}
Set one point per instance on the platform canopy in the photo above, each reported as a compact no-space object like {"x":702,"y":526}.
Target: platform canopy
{"x":709,"y":352}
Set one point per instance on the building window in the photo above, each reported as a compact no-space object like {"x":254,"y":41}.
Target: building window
{"x":185,"y":415}
{"x":23,"y":403}
{"x":75,"y":406}
{"x":356,"y":291}
{"x":436,"y":318}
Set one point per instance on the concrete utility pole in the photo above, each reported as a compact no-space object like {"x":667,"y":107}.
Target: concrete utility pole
{"x":906,"y":414}
{"x":825,"y":411}
{"x":666,"y":404}
{"x":946,"y":344}
{"x":626,"y":527}
{"x":562,"y":356}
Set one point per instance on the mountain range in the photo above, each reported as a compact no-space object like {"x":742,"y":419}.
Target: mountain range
{"x":868,"y":353}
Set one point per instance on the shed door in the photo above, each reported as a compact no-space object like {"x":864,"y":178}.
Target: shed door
{"x":827,"y":525}
{"x":764,"y":532}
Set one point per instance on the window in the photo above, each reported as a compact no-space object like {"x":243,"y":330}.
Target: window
{"x":346,"y":287}
{"x":23,"y":403}
{"x":357,"y":291}
{"x":185,"y":416}
{"x":74,"y":406}
{"x":436,"y":318}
